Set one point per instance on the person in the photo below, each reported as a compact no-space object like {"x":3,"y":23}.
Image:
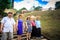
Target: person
{"x":0,"y":27}
{"x":29,"y":27}
{"x":20,"y":25}
{"x":7,"y":26}
{"x":33,"y":34}
{"x":38,"y":26}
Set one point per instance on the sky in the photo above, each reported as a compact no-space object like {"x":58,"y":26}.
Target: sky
{"x":28,"y":4}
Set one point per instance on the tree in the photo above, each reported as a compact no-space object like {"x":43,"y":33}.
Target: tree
{"x":20,"y":11}
{"x":57,"y":5}
{"x":38,"y":8}
{"x":3,"y":5}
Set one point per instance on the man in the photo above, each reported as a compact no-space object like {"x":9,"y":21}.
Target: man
{"x":7,"y":25}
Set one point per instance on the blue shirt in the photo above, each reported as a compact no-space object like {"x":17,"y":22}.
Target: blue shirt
{"x":38,"y":24}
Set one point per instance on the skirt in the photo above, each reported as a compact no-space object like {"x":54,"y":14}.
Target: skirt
{"x":19,"y":32}
{"x":29,"y":30}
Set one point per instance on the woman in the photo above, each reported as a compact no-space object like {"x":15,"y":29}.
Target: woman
{"x":29,"y":28}
{"x":33,"y":34}
{"x":19,"y":27}
{"x":38,"y":26}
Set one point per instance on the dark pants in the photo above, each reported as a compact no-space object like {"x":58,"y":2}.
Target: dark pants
{"x":33,"y":34}
{"x":38,"y":32}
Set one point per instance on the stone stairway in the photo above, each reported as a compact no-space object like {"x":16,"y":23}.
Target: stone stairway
{"x":43,"y":38}
{"x":24,"y":36}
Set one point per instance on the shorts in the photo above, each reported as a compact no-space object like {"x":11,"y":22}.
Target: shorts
{"x":6,"y":35}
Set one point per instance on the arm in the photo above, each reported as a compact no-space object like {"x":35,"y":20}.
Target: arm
{"x":26,"y":26}
{"x":17,"y":25}
{"x":14,"y":25}
{"x":23,"y":27}
{"x":2,"y":24}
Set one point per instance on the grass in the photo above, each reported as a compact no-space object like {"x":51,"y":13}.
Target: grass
{"x":50,"y":23}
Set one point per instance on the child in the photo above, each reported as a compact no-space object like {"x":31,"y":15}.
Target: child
{"x":19,"y":27}
{"x":29,"y":28}
{"x":38,"y":26}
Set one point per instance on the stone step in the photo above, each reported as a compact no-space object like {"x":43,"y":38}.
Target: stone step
{"x":44,"y":39}
{"x":24,"y":36}
{"x":21,"y":38}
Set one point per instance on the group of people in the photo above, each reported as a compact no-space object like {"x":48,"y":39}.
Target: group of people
{"x":32,"y":26}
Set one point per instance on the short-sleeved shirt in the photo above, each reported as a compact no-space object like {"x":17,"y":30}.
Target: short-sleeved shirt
{"x":38,"y":24}
{"x":8,"y":24}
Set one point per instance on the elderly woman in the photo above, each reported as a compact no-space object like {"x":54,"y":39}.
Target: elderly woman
{"x":33,"y":34}
{"x":29,"y":27}
{"x":38,"y":26}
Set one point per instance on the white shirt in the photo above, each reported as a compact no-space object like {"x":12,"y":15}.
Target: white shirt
{"x":8,"y":24}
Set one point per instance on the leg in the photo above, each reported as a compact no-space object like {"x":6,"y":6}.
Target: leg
{"x":19,"y":37}
{"x":4,"y":36}
{"x":10,"y":36}
{"x":27,"y":36}
{"x":38,"y":32}
{"x":32,"y":31}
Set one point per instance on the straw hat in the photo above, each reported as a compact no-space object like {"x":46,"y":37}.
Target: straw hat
{"x":10,"y":10}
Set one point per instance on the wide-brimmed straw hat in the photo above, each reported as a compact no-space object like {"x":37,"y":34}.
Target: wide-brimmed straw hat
{"x":10,"y":10}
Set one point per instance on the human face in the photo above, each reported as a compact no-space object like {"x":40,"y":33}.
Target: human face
{"x":10,"y":14}
{"x":37,"y":18}
{"x":31,"y":19}
{"x":20,"y":17}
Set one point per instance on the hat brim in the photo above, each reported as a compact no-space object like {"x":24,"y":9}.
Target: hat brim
{"x":10,"y":10}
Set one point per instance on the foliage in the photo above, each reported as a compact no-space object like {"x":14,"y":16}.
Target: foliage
{"x":21,"y":10}
{"x":57,"y":5}
{"x":4,"y":4}
{"x":37,"y":8}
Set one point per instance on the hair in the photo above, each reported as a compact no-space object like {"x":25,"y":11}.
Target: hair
{"x":19,"y":16}
{"x":37,"y":17}
{"x":27,"y":18}
{"x":10,"y":12}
